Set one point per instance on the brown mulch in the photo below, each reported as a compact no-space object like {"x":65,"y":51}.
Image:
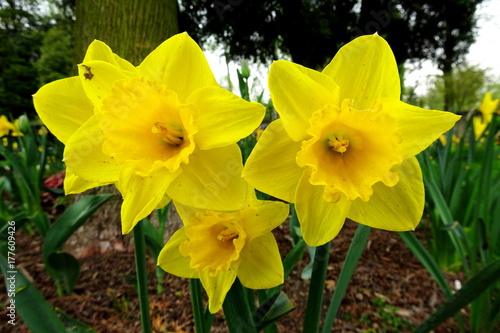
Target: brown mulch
{"x":389,"y":282}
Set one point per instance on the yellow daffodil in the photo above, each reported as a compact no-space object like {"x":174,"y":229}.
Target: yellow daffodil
{"x":216,"y":247}
{"x":455,"y":140}
{"x":479,"y":126}
{"x":163,"y":127}
{"x":16,"y":131}
{"x":5,"y":126}
{"x":345,"y":144}
{"x":42,"y":130}
{"x":488,"y":107}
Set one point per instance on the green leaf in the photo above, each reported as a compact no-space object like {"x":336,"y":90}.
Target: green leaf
{"x":426,"y":259}
{"x":61,"y":230}
{"x":153,"y":239}
{"x":70,"y":221}
{"x":351,"y":261}
{"x":454,"y":230}
{"x":64,"y":268}
{"x":470,"y":291}
{"x":74,"y":325}
{"x":274,"y":308}
{"x":237,"y":312}
{"x":36,"y":312}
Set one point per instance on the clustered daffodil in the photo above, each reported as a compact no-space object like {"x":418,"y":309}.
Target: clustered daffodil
{"x":161,"y":130}
{"x":345,"y":144}
{"x":5,"y":126}
{"x":488,"y":107}
{"x":218,"y":246}
{"x":16,"y":130}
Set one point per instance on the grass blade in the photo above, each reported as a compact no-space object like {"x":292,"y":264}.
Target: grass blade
{"x":470,"y":291}
{"x":351,"y":261}
{"x":427,"y":261}
{"x":36,"y":312}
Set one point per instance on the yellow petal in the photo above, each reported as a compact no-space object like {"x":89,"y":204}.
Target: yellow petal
{"x":419,"y":127}
{"x":271,"y":167}
{"x":488,"y":107}
{"x":186,"y":213}
{"x":320,"y":221}
{"x":140,"y":194}
{"x":297,"y":92}
{"x":83,"y":155}
{"x":98,"y":50}
{"x":261,"y":266}
{"x":211,"y":180}
{"x":218,"y":286}
{"x":74,"y":184}
{"x":164,"y":201}
{"x":180,"y":64}
{"x":365,"y":70}
{"x":260,"y":217}
{"x":172,"y":261}
{"x":223,"y":118}
{"x":397,"y":208}
{"x":97,"y":78}
{"x":63,"y":107}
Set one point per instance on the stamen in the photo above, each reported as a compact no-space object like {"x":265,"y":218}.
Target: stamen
{"x":169,"y":134}
{"x":338,"y":145}
{"x":227,"y":234}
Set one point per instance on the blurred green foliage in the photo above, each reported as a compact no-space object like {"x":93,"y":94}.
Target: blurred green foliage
{"x":467,"y":85}
{"x":36,"y":48}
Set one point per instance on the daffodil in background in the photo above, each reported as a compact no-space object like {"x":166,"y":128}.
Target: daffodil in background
{"x":5,"y":126}
{"x":488,"y":107}
{"x":218,"y":246}
{"x":479,"y":126}
{"x":17,"y":131}
{"x":345,"y":144}
{"x":163,"y":128}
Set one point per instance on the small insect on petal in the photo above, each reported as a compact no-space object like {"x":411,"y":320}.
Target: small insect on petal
{"x":88,"y":74}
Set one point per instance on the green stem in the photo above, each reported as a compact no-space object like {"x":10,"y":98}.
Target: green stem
{"x":142,"y":279}
{"x":197,"y":305}
{"x":351,"y":261}
{"x":316,"y":288}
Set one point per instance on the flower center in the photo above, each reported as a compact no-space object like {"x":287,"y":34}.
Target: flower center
{"x":228,"y":235}
{"x":338,"y":145}
{"x":215,"y":240}
{"x":145,"y":123}
{"x":351,"y":150}
{"x":168,"y":133}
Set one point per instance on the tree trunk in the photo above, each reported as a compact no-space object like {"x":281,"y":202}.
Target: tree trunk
{"x":132,"y":28}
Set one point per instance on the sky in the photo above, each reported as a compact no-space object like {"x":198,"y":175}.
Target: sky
{"x":485,"y":52}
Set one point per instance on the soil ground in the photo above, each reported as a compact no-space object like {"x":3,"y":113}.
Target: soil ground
{"x":389,"y":292}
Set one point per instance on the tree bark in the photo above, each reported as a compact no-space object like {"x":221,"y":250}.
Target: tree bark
{"x":132,"y":28}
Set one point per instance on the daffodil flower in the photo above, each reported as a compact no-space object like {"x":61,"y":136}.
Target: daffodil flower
{"x":488,"y":107}
{"x":345,"y":144}
{"x":479,"y":126}
{"x":218,"y":246}
{"x":16,"y":131}
{"x":162,"y":128}
{"x":5,"y":126}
